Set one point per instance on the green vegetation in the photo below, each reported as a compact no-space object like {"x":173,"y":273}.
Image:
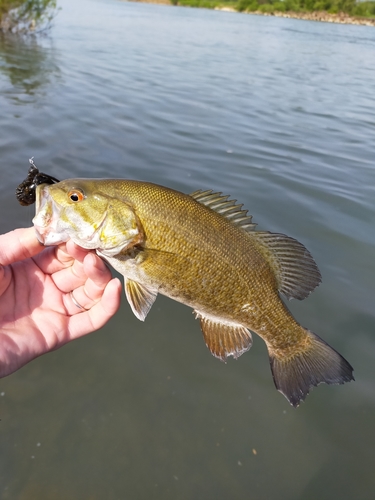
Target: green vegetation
{"x":349,"y":7}
{"x":25,"y":15}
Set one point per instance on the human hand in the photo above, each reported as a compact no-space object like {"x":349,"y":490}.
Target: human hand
{"x":37,"y":311}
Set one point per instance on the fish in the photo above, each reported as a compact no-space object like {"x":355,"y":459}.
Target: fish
{"x":204,"y":251}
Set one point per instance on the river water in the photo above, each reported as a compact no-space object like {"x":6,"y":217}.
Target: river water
{"x":278,"y":113}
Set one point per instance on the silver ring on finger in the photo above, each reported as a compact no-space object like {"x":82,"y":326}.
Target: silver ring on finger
{"x":75,"y":301}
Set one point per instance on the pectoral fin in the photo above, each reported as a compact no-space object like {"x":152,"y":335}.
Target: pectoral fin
{"x":139,"y":297}
{"x":224,"y":339}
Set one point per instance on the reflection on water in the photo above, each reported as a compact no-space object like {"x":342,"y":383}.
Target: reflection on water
{"x":30,"y":65}
{"x":280,"y":115}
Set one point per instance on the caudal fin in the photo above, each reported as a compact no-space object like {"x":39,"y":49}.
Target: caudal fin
{"x":295,"y":375}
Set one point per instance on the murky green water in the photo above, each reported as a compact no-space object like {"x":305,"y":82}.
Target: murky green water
{"x":281,"y":115}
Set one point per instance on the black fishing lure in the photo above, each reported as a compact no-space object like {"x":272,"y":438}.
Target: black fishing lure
{"x":25,"y":192}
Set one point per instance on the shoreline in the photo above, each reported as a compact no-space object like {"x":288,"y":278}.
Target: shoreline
{"x":318,"y":16}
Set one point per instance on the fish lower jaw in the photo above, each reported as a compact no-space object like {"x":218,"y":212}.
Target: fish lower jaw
{"x":50,"y":238}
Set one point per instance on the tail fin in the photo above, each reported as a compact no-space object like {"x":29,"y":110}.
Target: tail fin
{"x":295,"y":375}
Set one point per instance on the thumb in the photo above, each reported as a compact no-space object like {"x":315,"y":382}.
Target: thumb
{"x":18,"y":245}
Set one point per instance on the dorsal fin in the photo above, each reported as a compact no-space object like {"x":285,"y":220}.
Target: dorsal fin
{"x":226,"y":208}
{"x":296,"y":271}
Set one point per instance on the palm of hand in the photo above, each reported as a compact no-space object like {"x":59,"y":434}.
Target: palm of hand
{"x":37,"y":313}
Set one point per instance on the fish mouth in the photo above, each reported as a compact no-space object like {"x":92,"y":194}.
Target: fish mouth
{"x":52,"y":226}
{"x":46,"y":220}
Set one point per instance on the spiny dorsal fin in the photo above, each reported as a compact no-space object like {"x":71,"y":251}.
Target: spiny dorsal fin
{"x":226,"y":208}
{"x":224,"y":339}
{"x":296,"y":271}
{"x":139,"y":297}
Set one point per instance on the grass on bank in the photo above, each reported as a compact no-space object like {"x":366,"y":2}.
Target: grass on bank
{"x":349,"y":7}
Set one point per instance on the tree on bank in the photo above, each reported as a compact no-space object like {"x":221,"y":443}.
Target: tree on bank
{"x":22,"y":16}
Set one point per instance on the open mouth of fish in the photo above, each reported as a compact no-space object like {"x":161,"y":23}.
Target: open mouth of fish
{"x":47,"y":218}
{"x":54,"y":225}
{"x":51,"y":227}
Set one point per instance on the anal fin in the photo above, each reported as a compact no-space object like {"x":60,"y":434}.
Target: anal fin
{"x":139,"y":297}
{"x":224,"y":339}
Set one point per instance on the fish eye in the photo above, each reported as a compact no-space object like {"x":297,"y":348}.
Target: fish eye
{"x":76,"y":195}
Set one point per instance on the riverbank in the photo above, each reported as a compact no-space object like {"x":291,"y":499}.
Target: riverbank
{"x":320,"y":16}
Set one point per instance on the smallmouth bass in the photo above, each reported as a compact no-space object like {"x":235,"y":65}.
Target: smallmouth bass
{"x":202,"y":250}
